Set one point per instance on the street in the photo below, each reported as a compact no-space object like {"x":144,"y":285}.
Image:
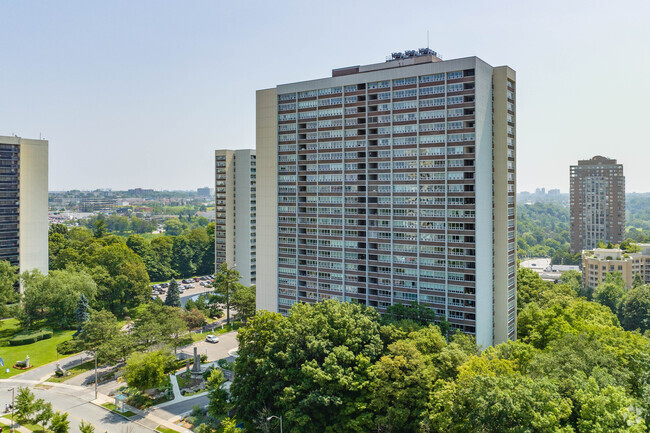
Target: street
{"x":75,"y":395}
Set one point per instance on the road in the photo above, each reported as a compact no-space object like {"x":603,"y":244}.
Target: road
{"x":76,"y":400}
{"x":215,"y":351}
{"x":76,"y":403}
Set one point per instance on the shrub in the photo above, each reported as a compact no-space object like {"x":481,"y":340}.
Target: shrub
{"x":69,"y":347}
{"x":31,"y":337}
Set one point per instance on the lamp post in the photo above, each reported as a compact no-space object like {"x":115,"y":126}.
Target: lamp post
{"x":278,"y":417}
{"x":95,"y":374}
{"x":13,"y":392}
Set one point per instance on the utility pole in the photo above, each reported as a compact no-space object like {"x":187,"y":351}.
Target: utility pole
{"x":13,"y":392}
{"x":95,"y":375}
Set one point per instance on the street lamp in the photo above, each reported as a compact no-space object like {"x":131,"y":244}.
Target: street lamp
{"x":13,"y":392}
{"x":278,"y":417}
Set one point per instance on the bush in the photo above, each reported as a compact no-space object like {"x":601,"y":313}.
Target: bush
{"x":69,"y":347}
{"x":226,"y":365}
{"x":204,"y":358}
{"x":31,"y":337}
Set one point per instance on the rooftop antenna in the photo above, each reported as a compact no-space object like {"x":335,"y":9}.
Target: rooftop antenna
{"x":427,"y":38}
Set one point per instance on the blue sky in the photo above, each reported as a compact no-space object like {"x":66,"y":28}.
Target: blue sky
{"x":139,"y":94}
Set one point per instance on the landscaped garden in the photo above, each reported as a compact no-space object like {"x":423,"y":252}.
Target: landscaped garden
{"x":40,"y":352}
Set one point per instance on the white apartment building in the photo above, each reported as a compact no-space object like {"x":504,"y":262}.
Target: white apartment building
{"x":235,"y":213}
{"x":391,"y":183}
{"x":23,"y":203}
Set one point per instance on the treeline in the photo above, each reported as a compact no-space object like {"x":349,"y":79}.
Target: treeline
{"x":121,"y":223}
{"x":163,"y":257}
{"x":638,"y":217}
{"x":333,"y":367}
{"x":543,"y":231}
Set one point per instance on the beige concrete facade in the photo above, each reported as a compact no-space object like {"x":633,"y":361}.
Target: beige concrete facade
{"x":380,"y":187}
{"x":32,"y":179}
{"x":267,"y":203}
{"x":505,"y":212}
{"x":597,"y":263}
{"x":235,"y":200}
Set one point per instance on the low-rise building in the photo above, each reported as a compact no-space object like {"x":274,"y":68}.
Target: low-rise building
{"x":546,"y":270}
{"x":599,"y":262}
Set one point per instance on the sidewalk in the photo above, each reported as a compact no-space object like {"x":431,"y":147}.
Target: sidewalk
{"x":103,"y":399}
{"x":17,"y":427}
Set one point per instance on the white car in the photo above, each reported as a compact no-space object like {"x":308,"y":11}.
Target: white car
{"x":212,"y":339}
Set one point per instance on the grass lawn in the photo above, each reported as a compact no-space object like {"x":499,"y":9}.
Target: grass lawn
{"x":163,"y":429}
{"x":74,"y":371}
{"x":40,"y":353}
{"x":113,"y":408}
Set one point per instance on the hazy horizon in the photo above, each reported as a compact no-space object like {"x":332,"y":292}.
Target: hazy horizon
{"x":140,"y":94}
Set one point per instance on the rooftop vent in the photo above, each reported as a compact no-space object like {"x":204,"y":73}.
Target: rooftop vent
{"x":412,"y":53}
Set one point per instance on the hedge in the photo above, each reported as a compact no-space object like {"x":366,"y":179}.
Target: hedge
{"x":33,"y":337}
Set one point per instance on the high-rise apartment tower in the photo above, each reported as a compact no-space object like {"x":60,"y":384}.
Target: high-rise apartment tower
{"x":391,"y":183}
{"x":597,"y":203}
{"x":235,"y":195}
{"x":23,"y":203}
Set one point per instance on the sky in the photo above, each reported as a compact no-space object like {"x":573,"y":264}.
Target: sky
{"x":140,"y":94}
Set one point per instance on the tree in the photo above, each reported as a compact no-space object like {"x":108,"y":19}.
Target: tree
{"x":610,"y":292}
{"x":146,"y":370}
{"x":55,"y":297}
{"x":86,"y":427}
{"x":8,"y":279}
{"x":125,"y":281}
{"x":312,"y":366}
{"x":402,"y":381}
{"x":100,"y":229}
{"x":173,"y":298}
{"x":606,"y":409}
{"x":175,"y":326}
{"x":217,"y":395}
{"x":490,"y":396}
{"x":44,"y":412}
{"x":159,"y":324}
{"x":173,"y":227}
{"x":638,"y":280}
{"x":82,"y":313}
{"x":194,"y":318}
{"x":635,"y":309}
{"x":25,"y":404}
{"x":183,"y":257}
{"x":572,"y":279}
{"x":60,"y":423}
{"x":229,"y":425}
{"x":102,"y":336}
{"x":529,"y":287}
{"x":226,"y":282}
{"x":203,"y":428}
{"x":243,"y":300}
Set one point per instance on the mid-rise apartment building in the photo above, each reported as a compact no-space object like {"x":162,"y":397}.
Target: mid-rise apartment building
{"x":599,"y":262}
{"x":597,"y":203}
{"x":23,"y":203}
{"x":235,"y":212}
{"x":391,"y":183}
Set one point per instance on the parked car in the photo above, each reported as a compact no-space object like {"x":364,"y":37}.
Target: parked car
{"x":197,"y":279}
{"x":212,"y":339}
{"x":164,"y":285}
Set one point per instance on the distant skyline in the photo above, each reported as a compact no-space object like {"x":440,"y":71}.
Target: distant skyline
{"x":140,"y":94}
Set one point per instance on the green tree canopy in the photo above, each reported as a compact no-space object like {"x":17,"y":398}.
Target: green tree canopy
{"x":146,"y":370}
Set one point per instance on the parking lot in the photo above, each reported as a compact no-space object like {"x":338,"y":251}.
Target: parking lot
{"x":188,"y":290}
